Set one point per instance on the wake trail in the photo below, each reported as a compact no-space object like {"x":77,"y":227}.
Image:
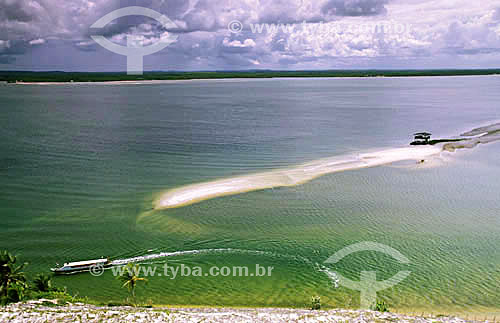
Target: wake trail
{"x":143,"y":258}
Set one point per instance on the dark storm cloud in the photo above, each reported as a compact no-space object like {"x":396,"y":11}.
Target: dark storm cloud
{"x":172,"y":9}
{"x":9,"y":50}
{"x":472,"y":51}
{"x":15,"y":11}
{"x":71,"y":19}
{"x":205,"y":42}
{"x":122,"y":25}
{"x":6,"y":59}
{"x":15,"y":47}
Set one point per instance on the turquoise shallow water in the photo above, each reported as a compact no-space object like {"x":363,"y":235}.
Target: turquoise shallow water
{"x":80,"y":166}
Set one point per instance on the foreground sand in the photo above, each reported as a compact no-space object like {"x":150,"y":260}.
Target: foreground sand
{"x":46,"y":311}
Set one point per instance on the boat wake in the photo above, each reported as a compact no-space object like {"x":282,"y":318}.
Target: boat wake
{"x":306,"y":172}
{"x":146,"y":259}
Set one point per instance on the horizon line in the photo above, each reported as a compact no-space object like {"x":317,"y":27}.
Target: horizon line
{"x":264,"y":70}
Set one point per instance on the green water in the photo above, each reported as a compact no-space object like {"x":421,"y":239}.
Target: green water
{"x":80,"y":166}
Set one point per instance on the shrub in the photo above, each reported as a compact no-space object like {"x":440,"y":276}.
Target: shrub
{"x":130,"y":277}
{"x":380,"y":306}
{"x":14,"y":285}
{"x":315,"y":303}
{"x":43,"y":283}
{"x":15,"y":293}
{"x":12,"y":278}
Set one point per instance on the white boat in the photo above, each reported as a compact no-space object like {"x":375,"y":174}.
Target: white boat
{"x":81,"y":266}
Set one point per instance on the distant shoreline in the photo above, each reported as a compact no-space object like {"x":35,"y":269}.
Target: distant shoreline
{"x":24,"y":77}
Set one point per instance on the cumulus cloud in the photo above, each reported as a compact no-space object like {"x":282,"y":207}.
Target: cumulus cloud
{"x":355,"y":7}
{"x":22,"y":11}
{"x":333,"y":37}
{"x":38,"y":41}
{"x":496,"y":15}
{"x":3,"y":44}
{"x":236,"y":43}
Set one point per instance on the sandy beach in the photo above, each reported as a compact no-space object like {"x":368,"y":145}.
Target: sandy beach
{"x":306,"y":172}
{"x":50,"y":311}
{"x":290,"y":177}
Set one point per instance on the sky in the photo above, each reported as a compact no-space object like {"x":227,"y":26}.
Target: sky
{"x":254,"y":34}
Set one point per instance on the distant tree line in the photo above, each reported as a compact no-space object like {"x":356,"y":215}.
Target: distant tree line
{"x":25,"y":76}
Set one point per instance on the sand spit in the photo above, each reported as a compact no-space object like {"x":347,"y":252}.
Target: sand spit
{"x":484,"y":135}
{"x":306,"y":172}
{"x":291,"y":176}
{"x":49,"y":311}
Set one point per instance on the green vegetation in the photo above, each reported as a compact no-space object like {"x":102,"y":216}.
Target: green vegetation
{"x":315,"y":303}
{"x":26,"y":76}
{"x":12,"y":278}
{"x":43,"y":283}
{"x":380,"y":306}
{"x":130,"y":277}
{"x":15,"y":287}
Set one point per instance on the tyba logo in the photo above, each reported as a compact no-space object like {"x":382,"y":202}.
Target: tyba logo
{"x":135,"y":54}
{"x":368,"y":284}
